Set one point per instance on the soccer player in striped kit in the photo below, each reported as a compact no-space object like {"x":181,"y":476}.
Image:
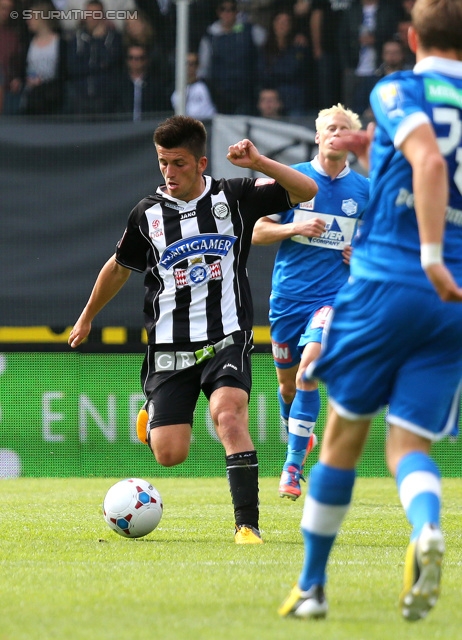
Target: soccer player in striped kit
{"x":191,"y":240}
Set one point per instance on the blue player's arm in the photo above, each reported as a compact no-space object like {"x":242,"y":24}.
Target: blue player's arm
{"x":268,"y":231}
{"x":431,"y":194}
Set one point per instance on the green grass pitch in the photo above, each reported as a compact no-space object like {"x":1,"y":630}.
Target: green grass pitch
{"x":66,"y":575}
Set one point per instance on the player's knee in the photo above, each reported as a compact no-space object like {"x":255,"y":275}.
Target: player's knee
{"x":287,"y":391}
{"x":305,"y":385}
{"x":169,"y":458}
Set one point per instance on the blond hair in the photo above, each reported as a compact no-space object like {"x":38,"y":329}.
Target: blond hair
{"x":355,"y":122}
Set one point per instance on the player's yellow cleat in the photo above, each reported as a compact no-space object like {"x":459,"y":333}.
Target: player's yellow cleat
{"x":422,"y":574}
{"x":305,"y":604}
{"x":141,"y":426}
{"x":246,"y":534}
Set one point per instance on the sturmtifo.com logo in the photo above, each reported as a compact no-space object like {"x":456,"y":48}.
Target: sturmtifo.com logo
{"x":74,"y":14}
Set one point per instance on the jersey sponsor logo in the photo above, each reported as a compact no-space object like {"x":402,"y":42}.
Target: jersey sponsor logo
{"x":338,"y":233}
{"x":221,"y":210}
{"x":281,"y":352}
{"x":215,"y":244}
{"x":406,"y":198}
{"x":197,"y":274}
{"x":188,"y":214}
{"x":350,"y":207}
{"x":442,"y":92}
{"x":333,"y":235}
{"x":260,"y":182}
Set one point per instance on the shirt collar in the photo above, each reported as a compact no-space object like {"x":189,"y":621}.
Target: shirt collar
{"x":317,"y":167}
{"x":440,"y":65}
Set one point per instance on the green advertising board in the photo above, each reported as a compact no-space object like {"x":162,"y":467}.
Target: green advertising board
{"x":74,"y":414}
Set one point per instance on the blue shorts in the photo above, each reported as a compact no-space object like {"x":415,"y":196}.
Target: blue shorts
{"x":392,"y":344}
{"x":294,"y":324}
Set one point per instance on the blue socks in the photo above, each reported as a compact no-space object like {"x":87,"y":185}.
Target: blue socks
{"x":326,"y":505}
{"x":303,"y":415}
{"x":284,"y":409}
{"x":419,"y":486}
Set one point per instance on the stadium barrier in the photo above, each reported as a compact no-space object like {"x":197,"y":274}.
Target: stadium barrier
{"x":73,"y":414}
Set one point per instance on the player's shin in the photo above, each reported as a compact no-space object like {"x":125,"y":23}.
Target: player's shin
{"x":326,"y":505}
{"x":242,"y":474}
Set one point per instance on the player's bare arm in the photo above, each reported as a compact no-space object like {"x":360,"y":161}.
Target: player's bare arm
{"x":431,"y":193}
{"x":246,"y":155}
{"x":110,"y":280}
{"x":268,"y":231}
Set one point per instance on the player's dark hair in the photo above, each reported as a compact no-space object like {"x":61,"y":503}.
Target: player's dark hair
{"x":182,"y":131}
{"x":438,"y":23}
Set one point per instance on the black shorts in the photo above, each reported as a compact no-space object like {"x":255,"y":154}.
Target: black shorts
{"x":171,"y":396}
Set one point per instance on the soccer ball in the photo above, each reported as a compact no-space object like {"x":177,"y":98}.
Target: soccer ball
{"x":132,"y":508}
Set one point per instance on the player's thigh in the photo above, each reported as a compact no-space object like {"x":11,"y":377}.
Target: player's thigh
{"x":362,"y":347}
{"x":171,"y":396}
{"x":426,"y":394}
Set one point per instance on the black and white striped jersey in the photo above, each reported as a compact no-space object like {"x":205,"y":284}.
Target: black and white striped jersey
{"x":194,"y":257}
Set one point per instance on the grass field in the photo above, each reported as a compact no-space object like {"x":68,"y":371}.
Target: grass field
{"x":65,"y":575}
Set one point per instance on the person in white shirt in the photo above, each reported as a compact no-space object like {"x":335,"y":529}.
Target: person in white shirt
{"x":199,"y":102}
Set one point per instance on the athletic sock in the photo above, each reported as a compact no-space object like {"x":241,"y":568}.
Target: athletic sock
{"x":303,"y":415}
{"x":284,"y":409}
{"x":242,"y":474}
{"x":419,"y":486}
{"x":326,"y":504}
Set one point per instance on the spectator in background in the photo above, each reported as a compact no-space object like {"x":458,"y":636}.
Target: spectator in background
{"x":228,"y":61}
{"x":94,"y":59}
{"x":138,"y":90}
{"x":70,"y":25}
{"x":392,"y":58}
{"x":201,"y":14}
{"x":402,"y":31}
{"x":365,"y":27}
{"x":11,"y":58}
{"x":269,"y":103}
{"x":199,"y":103}
{"x":284,"y":63}
{"x":45,"y":64}
{"x":325,"y":40}
{"x":139,"y":30}
{"x":162,"y":15}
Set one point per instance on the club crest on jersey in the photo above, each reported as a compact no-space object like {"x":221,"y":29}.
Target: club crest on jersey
{"x":221,"y":210}
{"x":215,"y":244}
{"x":197,"y":274}
{"x":350,"y":207}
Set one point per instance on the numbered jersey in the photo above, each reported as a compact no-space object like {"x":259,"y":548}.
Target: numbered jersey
{"x":388,"y":246}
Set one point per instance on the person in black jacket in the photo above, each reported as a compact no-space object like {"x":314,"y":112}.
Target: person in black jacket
{"x":138,"y":90}
{"x":228,"y":61}
{"x":94,"y":59}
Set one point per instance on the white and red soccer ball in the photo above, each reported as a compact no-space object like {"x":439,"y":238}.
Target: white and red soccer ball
{"x":132,"y":508}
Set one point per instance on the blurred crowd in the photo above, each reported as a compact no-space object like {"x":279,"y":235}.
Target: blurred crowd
{"x":270,"y":58}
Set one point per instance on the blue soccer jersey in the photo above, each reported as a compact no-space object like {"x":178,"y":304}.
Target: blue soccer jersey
{"x":312,"y":268}
{"x":432,"y":92}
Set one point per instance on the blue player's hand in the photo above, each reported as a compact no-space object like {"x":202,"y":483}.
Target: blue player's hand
{"x":443,"y":282}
